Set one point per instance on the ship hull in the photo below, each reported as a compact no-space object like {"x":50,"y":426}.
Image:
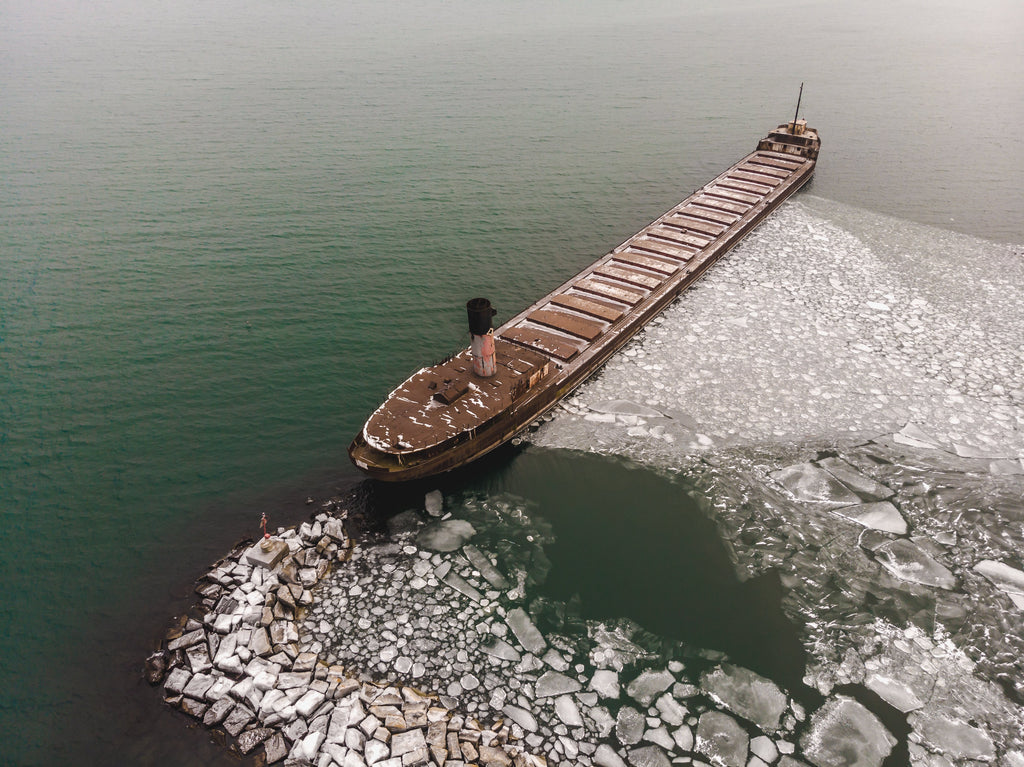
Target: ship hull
{"x":628,"y":288}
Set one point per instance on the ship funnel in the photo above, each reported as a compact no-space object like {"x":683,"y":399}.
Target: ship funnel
{"x":482,"y":344}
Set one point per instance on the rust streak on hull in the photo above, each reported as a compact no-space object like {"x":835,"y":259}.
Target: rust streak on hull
{"x":445,"y":416}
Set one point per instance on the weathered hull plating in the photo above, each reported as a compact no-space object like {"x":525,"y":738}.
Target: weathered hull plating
{"x":446,"y":416}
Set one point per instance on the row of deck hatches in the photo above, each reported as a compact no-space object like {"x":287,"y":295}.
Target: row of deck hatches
{"x":600,"y":296}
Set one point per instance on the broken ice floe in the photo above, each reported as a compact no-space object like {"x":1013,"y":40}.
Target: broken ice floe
{"x":852,"y":405}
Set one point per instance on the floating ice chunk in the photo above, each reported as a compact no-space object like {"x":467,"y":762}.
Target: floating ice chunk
{"x":529,"y":637}
{"x":434,"y":503}
{"x":881,"y":515}
{"x":567,"y":711}
{"x":893,"y":692}
{"x":499,"y":648}
{"x":671,"y":711}
{"x":600,"y":417}
{"x":722,"y":740}
{"x":629,"y":726}
{"x":521,"y":716}
{"x":648,"y":756}
{"x":554,"y":683}
{"x":908,"y":562}
{"x":845,"y":734}
{"x":625,"y":407}
{"x":955,"y":739}
{"x":1006,"y":579}
{"x":649,"y":685}
{"x":877,"y":306}
{"x":605,"y":683}
{"x":605,"y":756}
{"x":807,"y":482}
{"x":447,"y":535}
{"x":747,"y":694}
{"x":459,"y":583}
{"x":764,"y":748}
{"x":864,"y":486}
{"x":913,"y":435}
{"x":489,"y":572}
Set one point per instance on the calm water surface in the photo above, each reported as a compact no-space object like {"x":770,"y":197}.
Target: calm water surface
{"x":227,"y":229}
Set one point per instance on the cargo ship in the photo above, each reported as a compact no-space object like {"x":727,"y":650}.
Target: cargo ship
{"x":445,"y":416}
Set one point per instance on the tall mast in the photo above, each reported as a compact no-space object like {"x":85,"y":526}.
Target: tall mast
{"x":797,"y":114}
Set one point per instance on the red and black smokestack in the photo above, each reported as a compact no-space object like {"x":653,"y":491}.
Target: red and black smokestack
{"x":482,"y":344}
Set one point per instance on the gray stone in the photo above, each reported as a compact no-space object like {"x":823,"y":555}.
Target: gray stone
{"x":187,"y":640}
{"x":249,"y":739}
{"x":747,"y":694}
{"x":375,"y":751}
{"x":267,"y":558}
{"x":494,"y":757}
{"x":275,"y":748}
{"x":218,"y":712}
{"x":845,"y":734}
{"x":722,"y":740}
{"x":176,"y":681}
{"x":237,"y":720}
{"x":198,"y":685}
{"x":404,"y":742}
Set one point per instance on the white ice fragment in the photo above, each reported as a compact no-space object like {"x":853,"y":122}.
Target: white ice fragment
{"x":521,"y":716}
{"x":881,"y":515}
{"x":605,"y":756}
{"x":956,"y":739}
{"x":722,"y":740}
{"x":649,"y":685}
{"x":567,"y":711}
{"x":893,"y":692}
{"x":529,"y":637}
{"x":626,"y":407}
{"x":908,"y":562}
{"x":807,"y":482}
{"x":747,"y":694}
{"x":605,"y":683}
{"x":434,"y":503}
{"x":1007,"y":579}
{"x":843,"y":733}
{"x":553,"y":683}
{"x":446,"y":535}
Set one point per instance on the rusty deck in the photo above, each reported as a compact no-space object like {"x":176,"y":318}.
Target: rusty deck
{"x":445,"y":416}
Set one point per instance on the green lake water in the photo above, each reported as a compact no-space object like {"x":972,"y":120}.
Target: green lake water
{"x":228,"y":229}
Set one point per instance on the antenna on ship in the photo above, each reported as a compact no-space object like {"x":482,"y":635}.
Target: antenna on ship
{"x":796,"y":115}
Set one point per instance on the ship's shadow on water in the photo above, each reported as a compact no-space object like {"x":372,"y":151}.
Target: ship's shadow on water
{"x":632,"y":543}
